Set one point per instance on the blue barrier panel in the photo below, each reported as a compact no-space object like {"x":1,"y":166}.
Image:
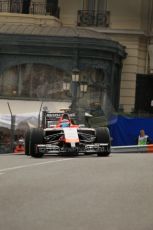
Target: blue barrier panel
{"x":125,"y":130}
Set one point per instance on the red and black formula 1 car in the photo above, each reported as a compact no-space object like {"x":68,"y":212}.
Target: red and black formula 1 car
{"x":59,"y":134}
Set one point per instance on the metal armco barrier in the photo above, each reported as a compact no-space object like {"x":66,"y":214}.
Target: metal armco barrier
{"x":132,"y":149}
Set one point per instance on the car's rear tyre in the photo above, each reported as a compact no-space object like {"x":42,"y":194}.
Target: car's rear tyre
{"x":36,"y":137}
{"x":103,"y":136}
{"x":27,"y":142}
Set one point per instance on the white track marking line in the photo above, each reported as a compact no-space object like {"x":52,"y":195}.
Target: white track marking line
{"x":31,"y":165}
{"x":2,"y":173}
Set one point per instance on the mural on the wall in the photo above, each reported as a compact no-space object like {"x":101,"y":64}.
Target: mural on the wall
{"x":34,"y":81}
{"x":45,"y":82}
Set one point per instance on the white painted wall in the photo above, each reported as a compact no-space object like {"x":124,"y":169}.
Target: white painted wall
{"x":22,"y":107}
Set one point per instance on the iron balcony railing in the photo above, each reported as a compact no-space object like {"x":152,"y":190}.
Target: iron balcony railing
{"x":18,"y":6}
{"x":93,"y":18}
{"x":44,"y":9}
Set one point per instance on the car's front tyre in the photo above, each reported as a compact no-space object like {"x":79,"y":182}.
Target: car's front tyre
{"x":103,"y":136}
{"x":36,"y":137}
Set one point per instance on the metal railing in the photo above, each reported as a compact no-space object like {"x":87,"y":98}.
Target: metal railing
{"x":5,"y":6}
{"x":44,"y":9}
{"x":93,"y":18}
{"x":33,"y":8}
{"x":132,"y":149}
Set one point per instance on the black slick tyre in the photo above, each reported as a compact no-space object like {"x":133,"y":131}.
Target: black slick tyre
{"x":27,"y":142}
{"x":103,"y":136}
{"x":36,"y":137}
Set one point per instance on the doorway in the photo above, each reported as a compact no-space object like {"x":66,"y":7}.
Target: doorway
{"x":26,"y":6}
{"x":144,"y":94}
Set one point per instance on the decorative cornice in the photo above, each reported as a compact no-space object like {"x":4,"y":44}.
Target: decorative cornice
{"x":118,"y":31}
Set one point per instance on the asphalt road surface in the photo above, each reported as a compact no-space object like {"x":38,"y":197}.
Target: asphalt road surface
{"x":83,"y":193}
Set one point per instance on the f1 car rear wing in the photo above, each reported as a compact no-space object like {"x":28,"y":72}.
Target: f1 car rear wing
{"x":49,"y":119}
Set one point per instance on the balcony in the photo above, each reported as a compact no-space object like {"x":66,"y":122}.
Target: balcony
{"x":25,"y":7}
{"x":93,"y":18}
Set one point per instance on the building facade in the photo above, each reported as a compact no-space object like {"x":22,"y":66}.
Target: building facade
{"x":107,"y":43}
